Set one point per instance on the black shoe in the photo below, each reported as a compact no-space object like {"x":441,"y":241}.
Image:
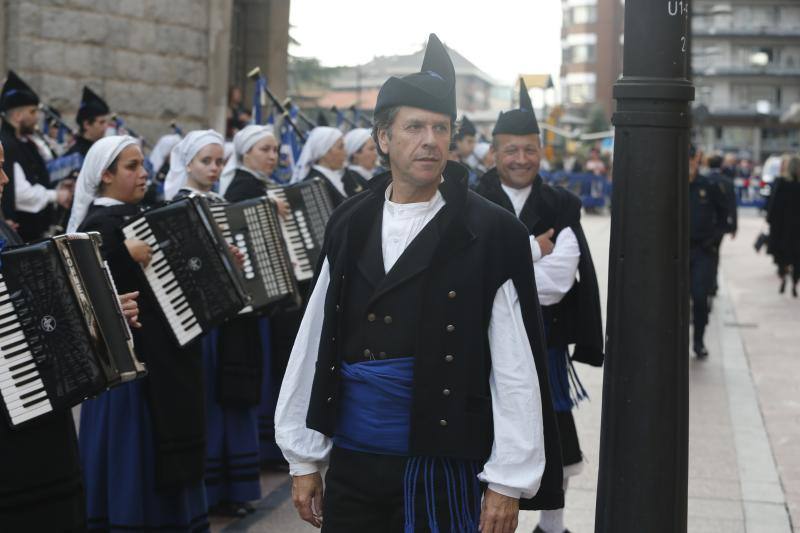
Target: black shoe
{"x":700,"y":351}
{"x":782,"y":288}
{"x":794,"y":291}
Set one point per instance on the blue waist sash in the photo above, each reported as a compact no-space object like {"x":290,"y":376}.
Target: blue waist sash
{"x":375,"y":408}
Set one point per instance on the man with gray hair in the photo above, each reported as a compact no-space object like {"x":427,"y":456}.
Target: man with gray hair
{"x":418,"y":377}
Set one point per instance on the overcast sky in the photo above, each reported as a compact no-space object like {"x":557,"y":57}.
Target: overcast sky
{"x":504,"y":38}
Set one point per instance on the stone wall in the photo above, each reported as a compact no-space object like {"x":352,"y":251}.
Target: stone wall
{"x":150,"y":59}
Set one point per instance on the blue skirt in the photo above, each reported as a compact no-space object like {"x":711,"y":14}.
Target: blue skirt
{"x":232,"y":473}
{"x":270,"y":388}
{"x":118,"y":459}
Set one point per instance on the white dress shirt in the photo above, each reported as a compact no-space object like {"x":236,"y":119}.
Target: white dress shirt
{"x":30,"y":197}
{"x":516,"y":463}
{"x":555,"y":272}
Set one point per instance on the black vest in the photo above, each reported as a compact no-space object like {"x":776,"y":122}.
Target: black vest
{"x":32,"y":226}
{"x":576,"y":319}
{"x":435,"y":304}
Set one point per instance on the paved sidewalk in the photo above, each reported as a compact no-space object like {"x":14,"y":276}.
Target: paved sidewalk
{"x":744,"y":466}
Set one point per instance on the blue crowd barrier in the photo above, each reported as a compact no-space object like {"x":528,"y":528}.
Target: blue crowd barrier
{"x":594,"y":191}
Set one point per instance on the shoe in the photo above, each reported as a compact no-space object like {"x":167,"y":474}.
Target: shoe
{"x":782,"y":288}
{"x":540,"y":530}
{"x":700,"y":351}
{"x":229,"y":509}
{"x":794,"y":291}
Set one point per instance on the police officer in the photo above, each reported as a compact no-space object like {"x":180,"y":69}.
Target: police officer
{"x":726,"y":184}
{"x":708,"y":222}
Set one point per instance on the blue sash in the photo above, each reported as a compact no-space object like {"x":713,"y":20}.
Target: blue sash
{"x":375,"y":417}
{"x":375,"y":409}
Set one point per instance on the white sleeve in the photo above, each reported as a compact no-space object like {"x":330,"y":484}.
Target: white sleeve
{"x":30,"y":198}
{"x":536,"y":250}
{"x":516,"y":463}
{"x":555,"y":273}
{"x":306,"y":450}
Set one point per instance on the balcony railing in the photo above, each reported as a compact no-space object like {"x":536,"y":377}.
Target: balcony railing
{"x":772,"y":32}
{"x":746,"y":70}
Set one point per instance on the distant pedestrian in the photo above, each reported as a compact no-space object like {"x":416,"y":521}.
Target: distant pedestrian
{"x":708,"y":215}
{"x":784,"y":224}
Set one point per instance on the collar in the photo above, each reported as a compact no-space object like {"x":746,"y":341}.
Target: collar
{"x":453,"y":188}
{"x":105,"y":201}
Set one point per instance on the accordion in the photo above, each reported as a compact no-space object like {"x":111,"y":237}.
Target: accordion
{"x":303,"y":229}
{"x":63,"y":337}
{"x":253,"y":227}
{"x":192,"y":273}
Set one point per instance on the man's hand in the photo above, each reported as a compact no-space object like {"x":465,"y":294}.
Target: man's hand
{"x":545,"y":242}
{"x":238,"y":256}
{"x":64,"y":192}
{"x":130,"y":308}
{"x":499,"y":514}
{"x":307,"y":497}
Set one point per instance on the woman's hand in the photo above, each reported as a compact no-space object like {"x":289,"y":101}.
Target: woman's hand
{"x":140,"y":251}
{"x":283,"y":207}
{"x":238,"y":256}
{"x":130,"y":308}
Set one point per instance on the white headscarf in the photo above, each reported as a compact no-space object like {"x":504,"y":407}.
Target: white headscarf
{"x":182,"y":155}
{"x":355,"y":139}
{"x":321,"y":139}
{"x":480,"y":151}
{"x":160,"y":152}
{"x":102,"y":153}
{"x":243,"y":141}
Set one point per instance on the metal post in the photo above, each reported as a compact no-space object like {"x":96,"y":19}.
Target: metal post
{"x":643,"y":478}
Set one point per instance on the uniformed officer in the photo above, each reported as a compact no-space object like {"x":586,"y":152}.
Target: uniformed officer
{"x":708,"y":222}
{"x":726,"y":184}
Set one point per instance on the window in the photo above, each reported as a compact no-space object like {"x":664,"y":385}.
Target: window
{"x":584,"y":15}
{"x":584,"y":53}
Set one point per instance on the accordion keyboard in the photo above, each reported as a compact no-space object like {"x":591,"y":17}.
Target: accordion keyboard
{"x":20,"y":383}
{"x":165,"y":285}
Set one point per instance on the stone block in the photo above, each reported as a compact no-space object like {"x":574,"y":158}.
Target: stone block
{"x":172,"y":39}
{"x":142,"y":36}
{"x":191,"y":13}
{"x":47,"y":56}
{"x":127,"y":8}
{"x":62,"y":24}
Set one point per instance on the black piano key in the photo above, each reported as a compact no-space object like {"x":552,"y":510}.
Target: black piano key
{"x":182,"y":308}
{"x":31,"y":393}
{"x":9,"y":346}
{"x":173,"y":289}
{"x":22,"y":374}
{"x":18,"y":365}
{"x":34,"y":402}
{"x":15,"y":353}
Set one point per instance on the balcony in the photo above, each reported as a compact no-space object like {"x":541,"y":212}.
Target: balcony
{"x":741,"y":71}
{"x":745,"y":33}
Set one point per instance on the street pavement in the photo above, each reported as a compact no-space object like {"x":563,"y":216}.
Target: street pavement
{"x":744,"y":462}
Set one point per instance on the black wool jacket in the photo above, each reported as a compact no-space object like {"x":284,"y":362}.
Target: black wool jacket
{"x":577,"y":318}
{"x":465,"y":254}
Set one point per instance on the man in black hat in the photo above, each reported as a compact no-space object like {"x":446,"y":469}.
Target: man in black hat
{"x":565,"y":277}
{"x":27,"y":201}
{"x":93,"y":118}
{"x":418,"y":372}
{"x":465,"y":144}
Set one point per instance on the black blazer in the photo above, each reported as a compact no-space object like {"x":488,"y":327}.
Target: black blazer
{"x":577,"y":318}
{"x":459,"y":260}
